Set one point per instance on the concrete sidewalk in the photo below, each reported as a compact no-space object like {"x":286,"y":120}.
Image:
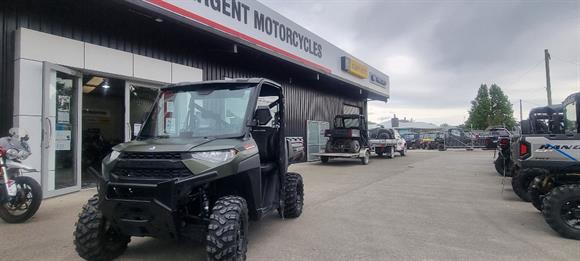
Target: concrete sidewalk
{"x":426,"y":206}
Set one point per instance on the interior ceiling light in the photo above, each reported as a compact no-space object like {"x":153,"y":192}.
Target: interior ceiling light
{"x":95,"y":81}
{"x":88,"y":89}
{"x":159,"y":20}
{"x":106,"y":85}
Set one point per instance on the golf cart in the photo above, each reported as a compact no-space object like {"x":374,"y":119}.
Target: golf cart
{"x":210,"y":156}
{"x":552,"y":159}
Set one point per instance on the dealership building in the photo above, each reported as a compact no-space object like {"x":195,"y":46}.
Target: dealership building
{"x":80,"y":75}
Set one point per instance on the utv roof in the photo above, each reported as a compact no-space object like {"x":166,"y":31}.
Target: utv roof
{"x":571,"y":98}
{"x":232,"y":81}
{"x":547,"y":109}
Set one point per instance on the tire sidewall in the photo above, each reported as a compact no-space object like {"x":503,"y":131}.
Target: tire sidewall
{"x":36,"y":192}
{"x":218,"y":229}
{"x":552,"y":207}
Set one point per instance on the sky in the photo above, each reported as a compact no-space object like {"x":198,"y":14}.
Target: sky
{"x":438,"y":53}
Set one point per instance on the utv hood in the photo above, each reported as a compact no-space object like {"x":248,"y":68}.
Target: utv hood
{"x":162,"y":145}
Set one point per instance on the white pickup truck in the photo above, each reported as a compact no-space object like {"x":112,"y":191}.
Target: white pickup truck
{"x":387,"y":141}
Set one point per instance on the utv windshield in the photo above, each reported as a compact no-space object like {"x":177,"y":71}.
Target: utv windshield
{"x":346,"y":123}
{"x":200,"y":112}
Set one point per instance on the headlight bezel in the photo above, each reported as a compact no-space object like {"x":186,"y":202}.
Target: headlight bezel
{"x":215,"y":156}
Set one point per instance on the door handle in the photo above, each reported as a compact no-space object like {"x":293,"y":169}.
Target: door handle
{"x":49,"y":133}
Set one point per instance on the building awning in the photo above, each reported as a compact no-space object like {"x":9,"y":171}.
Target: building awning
{"x":252,"y":24}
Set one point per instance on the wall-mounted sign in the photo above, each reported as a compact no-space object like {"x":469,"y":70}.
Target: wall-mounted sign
{"x":378,"y":79}
{"x":354,"y":67}
{"x":253,"y":24}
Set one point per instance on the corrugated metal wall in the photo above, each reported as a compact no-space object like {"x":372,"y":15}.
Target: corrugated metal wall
{"x":115,"y":25}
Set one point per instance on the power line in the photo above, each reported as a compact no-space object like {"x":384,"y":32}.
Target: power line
{"x":528,"y":71}
{"x":567,"y":61}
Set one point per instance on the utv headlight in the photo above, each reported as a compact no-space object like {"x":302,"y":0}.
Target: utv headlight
{"x":114,"y":155}
{"x":216,"y":156}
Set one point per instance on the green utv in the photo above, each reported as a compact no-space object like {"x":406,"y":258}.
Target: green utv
{"x":209,"y":157}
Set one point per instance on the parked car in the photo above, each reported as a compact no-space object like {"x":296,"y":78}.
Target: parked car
{"x":494,"y":135}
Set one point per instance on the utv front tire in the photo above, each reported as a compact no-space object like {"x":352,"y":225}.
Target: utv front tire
{"x":294,"y":196}
{"x":324,"y":159}
{"x":228,"y":230}
{"x":94,"y":237}
{"x":560,"y":207}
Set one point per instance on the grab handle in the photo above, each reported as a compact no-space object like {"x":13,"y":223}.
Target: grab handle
{"x":48,"y":133}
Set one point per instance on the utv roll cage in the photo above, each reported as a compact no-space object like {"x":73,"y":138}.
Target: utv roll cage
{"x":544,"y":120}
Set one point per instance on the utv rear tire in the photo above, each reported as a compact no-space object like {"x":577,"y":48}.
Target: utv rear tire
{"x":294,"y":196}
{"x":521,"y":182}
{"x":499,"y":164}
{"x":228,"y":230}
{"x":324,"y":159}
{"x":94,"y":238}
{"x":553,"y":212}
{"x":354,"y":146}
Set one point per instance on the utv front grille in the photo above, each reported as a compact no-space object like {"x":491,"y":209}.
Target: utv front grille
{"x":151,"y":156}
{"x":146,"y":168}
{"x":152,"y":173}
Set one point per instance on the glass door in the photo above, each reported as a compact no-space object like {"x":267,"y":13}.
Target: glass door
{"x":61,"y":94}
{"x":139,"y":99}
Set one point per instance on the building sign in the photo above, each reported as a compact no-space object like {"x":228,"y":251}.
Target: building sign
{"x":253,"y":24}
{"x":378,"y":79}
{"x":354,"y":67}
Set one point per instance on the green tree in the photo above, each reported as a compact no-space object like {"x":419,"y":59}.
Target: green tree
{"x":491,"y":107}
{"x":480,"y":109}
{"x":501,"y":108}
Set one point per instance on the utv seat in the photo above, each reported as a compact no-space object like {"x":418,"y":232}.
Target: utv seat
{"x":265,"y":138}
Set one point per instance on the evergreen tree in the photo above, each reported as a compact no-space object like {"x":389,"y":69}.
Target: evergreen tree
{"x":501,"y":108}
{"x":491,"y":107}
{"x":480,"y":109}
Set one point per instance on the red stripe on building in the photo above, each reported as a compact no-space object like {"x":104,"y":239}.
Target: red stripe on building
{"x":210,"y":23}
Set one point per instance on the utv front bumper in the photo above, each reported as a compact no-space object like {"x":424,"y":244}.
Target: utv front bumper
{"x":148,"y":209}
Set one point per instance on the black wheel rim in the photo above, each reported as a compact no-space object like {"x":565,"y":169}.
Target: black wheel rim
{"x":570,"y":213}
{"x":20,"y":203}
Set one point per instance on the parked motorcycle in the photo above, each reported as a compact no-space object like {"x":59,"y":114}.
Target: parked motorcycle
{"x":20,"y":196}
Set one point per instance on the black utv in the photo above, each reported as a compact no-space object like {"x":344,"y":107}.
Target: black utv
{"x":210,"y":157}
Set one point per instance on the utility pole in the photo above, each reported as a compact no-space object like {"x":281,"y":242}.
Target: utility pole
{"x":548,"y":85}
{"x":521,"y":116}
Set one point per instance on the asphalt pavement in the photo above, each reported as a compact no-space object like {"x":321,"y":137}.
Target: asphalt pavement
{"x":428,"y":205}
